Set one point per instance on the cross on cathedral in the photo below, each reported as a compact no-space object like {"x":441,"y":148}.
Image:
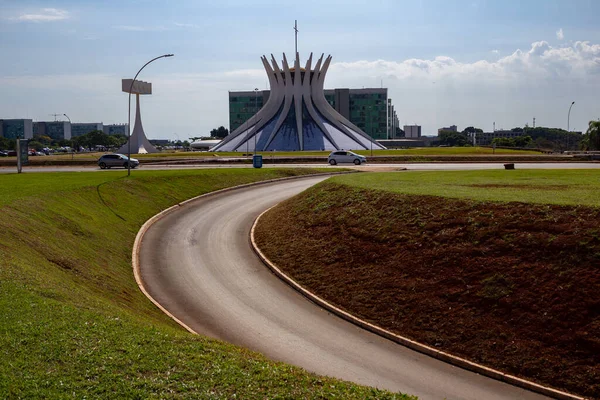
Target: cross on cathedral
{"x":296,"y":33}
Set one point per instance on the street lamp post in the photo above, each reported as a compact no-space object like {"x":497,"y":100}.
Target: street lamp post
{"x":568,"y":126}
{"x":72,"y":151}
{"x":129,"y":111}
{"x":255,"y":112}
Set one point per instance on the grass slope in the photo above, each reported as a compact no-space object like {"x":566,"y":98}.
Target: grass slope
{"x":74,"y":323}
{"x":568,"y":187}
{"x":512,"y":285}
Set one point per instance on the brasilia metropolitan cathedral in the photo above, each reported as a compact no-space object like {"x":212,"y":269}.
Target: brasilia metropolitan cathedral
{"x":297,"y":116}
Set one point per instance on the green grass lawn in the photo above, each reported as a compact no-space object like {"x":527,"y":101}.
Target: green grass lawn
{"x":580,"y":187}
{"x":73,"y":321}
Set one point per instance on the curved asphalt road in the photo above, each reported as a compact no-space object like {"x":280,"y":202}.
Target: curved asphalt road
{"x":197,"y":262}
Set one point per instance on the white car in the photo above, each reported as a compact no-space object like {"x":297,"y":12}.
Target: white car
{"x":342,"y":156}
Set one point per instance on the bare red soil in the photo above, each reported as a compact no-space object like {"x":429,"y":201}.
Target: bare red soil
{"x":513,"y":286}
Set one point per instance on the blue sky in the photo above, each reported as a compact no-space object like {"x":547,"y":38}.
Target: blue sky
{"x":444,"y":62}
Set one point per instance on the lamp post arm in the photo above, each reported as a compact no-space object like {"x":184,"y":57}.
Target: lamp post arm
{"x":144,"y":66}
{"x":569,"y":116}
{"x":129,"y":111}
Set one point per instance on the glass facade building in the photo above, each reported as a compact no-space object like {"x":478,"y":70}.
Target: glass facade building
{"x":16,"y":128}
{"x":57,"y":130}
{"x":115,"y":129}
{"x":365,"y":108}
{"x":368,"y":111}
{"x":243,"y":105}
{"x":79,"y":129}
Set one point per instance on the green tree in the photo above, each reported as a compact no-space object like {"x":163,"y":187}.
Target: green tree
{"x":7,"y":144}
{"x":523,"y":141}
{"x":471,"y":129}
{"x":451,"y":138}
{"x":34,"y":144}
{"x":505,"y":142}
{"x":46,"y":140}
{"x":117,"y":140}
{"x":98,"y":138}
{"x":591,"y":138}
{"x":399,"y":132}
{"x":64,"y":143}
{"x":554,"y":138}
{"x":220,"y":132}
{"x":91,"y":140}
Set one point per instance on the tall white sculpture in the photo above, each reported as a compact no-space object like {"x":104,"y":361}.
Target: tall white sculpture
{"x":297,"y":116}
{"x":139,"y":142}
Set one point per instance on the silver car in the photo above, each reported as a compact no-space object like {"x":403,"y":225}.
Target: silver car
{"x":116,"y":160}
{"x":342,"y":156}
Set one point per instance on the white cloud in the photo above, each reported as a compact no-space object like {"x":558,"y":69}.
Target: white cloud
{"x":137,"y":28}
{"x":184,"y":25}
{"x":542,"y":61}
{"x":45,"y":15}
{"x":495,"y":51}
{"x":559,"y":34}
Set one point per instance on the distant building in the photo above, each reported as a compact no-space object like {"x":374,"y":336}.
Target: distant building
{"x":57,"y":130}
{"x":243,"y":106}
{"x":16,"y":128}
{"x":368,"y":109}
{"x":451,"y":128}
{"x":80,"y":129}
{"x":115,"y":129}
{"x":412,"y":131}
{"x":403,"y":143}
{"x":204,"y":144}
{"x":158,"y":142}
{"x":485,"y":138}
{"x":393,"y":122}
{"x":365,"y":108}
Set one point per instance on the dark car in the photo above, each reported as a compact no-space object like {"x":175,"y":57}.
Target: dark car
{"x":117,"y":160}
{"x":3,"y":153}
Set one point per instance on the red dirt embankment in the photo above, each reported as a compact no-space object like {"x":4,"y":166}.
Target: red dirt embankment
{"x":513,"y":286}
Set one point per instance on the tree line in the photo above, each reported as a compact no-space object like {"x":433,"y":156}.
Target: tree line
{"x":88,"y":141}
{"x":539,"y":137}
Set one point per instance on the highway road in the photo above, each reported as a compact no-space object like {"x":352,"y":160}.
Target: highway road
{"x":369,"y":167}
{"x":197,"y":263}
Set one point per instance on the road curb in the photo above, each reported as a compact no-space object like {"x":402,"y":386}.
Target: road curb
{"x":421,"y":348}
{"x":135,"y":260}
